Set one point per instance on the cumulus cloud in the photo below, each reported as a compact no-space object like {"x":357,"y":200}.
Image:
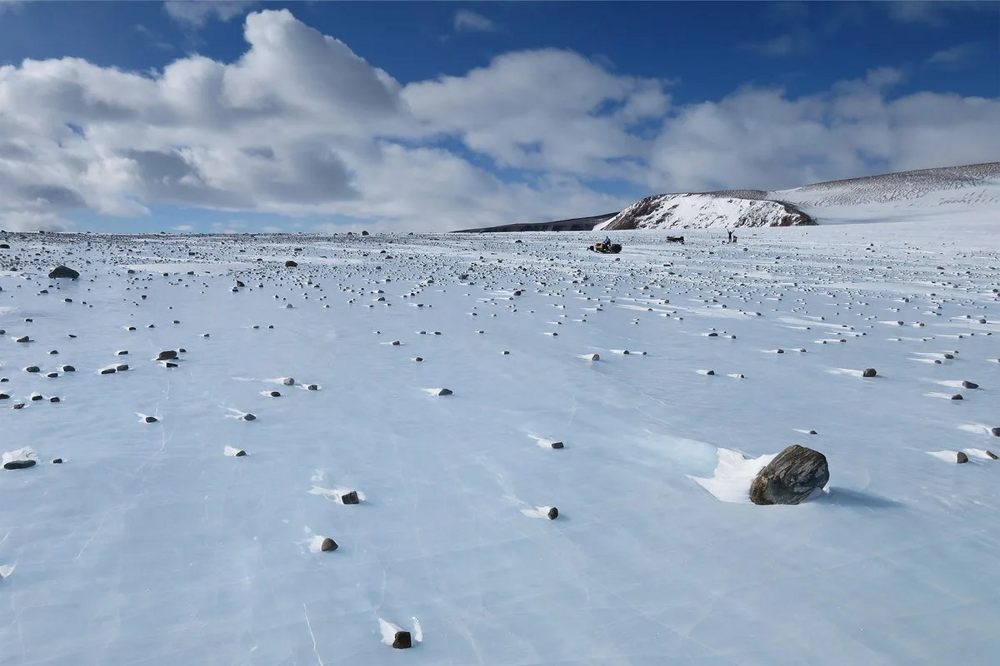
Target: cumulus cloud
{"x":196,"y":13}
{"x":468,"y":21}
{"x":300,"y":125}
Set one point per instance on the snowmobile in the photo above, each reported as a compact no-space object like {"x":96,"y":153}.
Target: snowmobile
{"x":606,"y":248}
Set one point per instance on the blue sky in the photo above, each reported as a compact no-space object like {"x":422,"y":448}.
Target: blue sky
{"x":620,"y":100}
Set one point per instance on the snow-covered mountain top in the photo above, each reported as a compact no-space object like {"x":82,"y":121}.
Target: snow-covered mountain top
{"x":705,"y":211}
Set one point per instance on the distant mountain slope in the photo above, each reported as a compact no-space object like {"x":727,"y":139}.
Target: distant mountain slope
{"x":574,"y":224}
{"x":897,"y":187}
{"x":970,"y":191}
{"x":701,"y":211}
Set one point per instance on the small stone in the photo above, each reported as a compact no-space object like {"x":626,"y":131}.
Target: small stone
{"x":108,"y":371}
{"x":290,"y":264}
{"x":168,"y":364}
{"x":274,"y":394}
{"x":552,"y":513}
{"x":995,"y":432}
{"x":962,"y":458}
{"x":32,"y":368}
{"x":992,"y":455}
{"x":121,"y":367}
{"x":957,"y":396}
{"x":55,"y":398}
{"x":780,"y":351}
{"x":312,"y":387}
{"x":57,"y":461}
{"x":166,"y":355}
{"x":557,"y":445}
{"x":19,"y":464}
{"x":418,"y":359}
{"x":239,"y":454}
{"x":328,"y":545}
{"x":445,"y":391}
{"x":813,"y":432}
{"x":23,"y":338}
{"x":969,"y":385}
{"x":351,"y":498}
{"x":249,"y":417}
{"x":121,"y":352}
{"x":288,"y":381}
{"x":869,"y":372}
{"x":402,"y":640}
{"x":710,"y":372}
{"x":150,"y":419}
{"x":394,"y":343}
{"x":713,"y":334}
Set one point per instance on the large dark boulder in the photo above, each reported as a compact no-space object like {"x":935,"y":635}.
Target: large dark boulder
{"x":63,"y":272}
{"x":791,"y":477}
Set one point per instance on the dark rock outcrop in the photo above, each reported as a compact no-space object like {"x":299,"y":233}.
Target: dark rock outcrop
{"x":63,"y":272}
{"x":791,"y":477}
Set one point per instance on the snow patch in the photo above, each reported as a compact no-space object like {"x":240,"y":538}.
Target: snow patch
{"x":733,"y":476}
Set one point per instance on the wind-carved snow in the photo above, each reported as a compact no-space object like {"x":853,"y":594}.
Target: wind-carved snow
{"x":733,"y":476}
{"x":147,"y":532}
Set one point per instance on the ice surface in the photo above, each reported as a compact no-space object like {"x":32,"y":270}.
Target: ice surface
{"x":149,"y":547}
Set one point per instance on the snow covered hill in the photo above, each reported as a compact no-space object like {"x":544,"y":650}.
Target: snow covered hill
{"x":703,"y":211}
{"x":958,"y":192}
{"x":971,"y":191}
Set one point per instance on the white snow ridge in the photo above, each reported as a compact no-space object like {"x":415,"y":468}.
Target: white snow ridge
{"x":367,"y":496}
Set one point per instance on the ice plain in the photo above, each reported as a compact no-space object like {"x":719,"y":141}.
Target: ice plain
{"x":152,"y":543}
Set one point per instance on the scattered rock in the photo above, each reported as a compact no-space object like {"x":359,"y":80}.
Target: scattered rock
{"x":957,"y":396}
{"x":552,"y":513}
{"x":402,"y":640}
{"x":992,"y":455}
{"x":249,"y":417}
{"x":869,"y":372}
{"x":167,"y":355}
{"x":57,"y":461}
{"x":150,"y":419}
{"x":290,"y":264}
{"x":961,"y":457}
{"x":350,"y":498}
{"x":969,"y":385}
{"x":791,"y":477}
{"x":328,"y":546}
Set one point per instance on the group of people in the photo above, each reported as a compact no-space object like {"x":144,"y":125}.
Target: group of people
{"x":732,"y":238}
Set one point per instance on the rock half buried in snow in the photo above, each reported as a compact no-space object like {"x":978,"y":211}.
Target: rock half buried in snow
{"x":328,"y":545}
{"x":791,"y":477}
{"x":350,"y":498}
{"x":869,"y":372}
{"x":167,"y":355}
{"x":961,"y":457}
{"x":63,"y":272}
{"x":20,"y":459}
{"x":402,"y":640}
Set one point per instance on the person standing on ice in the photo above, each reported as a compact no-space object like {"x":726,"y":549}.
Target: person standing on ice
{"x":730,"y":235}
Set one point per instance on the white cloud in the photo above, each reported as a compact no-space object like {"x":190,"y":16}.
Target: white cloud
{"x":196,"y":13}
{"x":791,"y":43}
{"x":301,"y":126}
{"x":954,"y":55}
{"x":468,"y":21}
